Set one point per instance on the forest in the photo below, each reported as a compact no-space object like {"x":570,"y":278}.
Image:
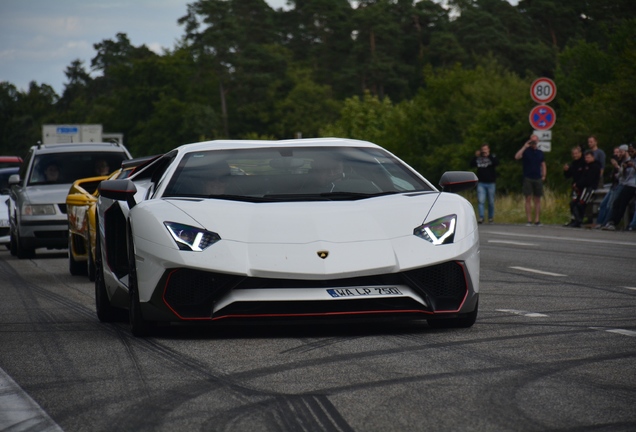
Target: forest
{"x":428,"y":81}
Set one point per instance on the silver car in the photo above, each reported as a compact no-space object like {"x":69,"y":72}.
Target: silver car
{"x":5,"y":173}
{"x":37,"y":204}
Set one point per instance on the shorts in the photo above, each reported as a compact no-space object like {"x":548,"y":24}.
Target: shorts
{"x":532,"y":187}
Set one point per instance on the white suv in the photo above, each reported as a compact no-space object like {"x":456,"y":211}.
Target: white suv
{"x":37,"y":205}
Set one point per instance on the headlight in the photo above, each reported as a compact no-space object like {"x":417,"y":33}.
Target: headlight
{"x":439,"y":231}
{"x":190,"y":238}
{"x":38,"y":209}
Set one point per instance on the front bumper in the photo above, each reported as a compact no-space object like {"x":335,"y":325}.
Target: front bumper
{"x":194,"y":295}
{"x":44,"y":233}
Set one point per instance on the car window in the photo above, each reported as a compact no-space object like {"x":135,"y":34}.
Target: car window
{"x":292,"y":173}
{"x":53,"y":168}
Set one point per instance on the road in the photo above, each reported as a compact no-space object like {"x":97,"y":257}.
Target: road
{"x":553,"y":349}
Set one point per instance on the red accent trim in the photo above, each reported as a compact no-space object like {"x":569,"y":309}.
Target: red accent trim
{"x":163,"y":297}
{"x":463,"y":266}
{"x":321,"y":314}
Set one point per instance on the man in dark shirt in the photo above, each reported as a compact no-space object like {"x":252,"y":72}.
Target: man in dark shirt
{"x":485,"y":162}
{"x":534,"y":173}
{"x":574,"y":170}
{"x":584,"y":188}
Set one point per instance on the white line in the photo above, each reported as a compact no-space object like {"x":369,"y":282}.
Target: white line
{"x":574,"y":239}
{"x":511,"y":242}
{"x":537,"y":271}
{"x":19,"y":412}
{"x":522,"y":313}
{"x":617,"y":331}
{"x":630,"y":288}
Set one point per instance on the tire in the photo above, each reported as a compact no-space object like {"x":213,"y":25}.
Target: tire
{"x":76,"y":268}
{"x":23,"y":252}
{"x":139,"y":327}
{"x":463,"y":321}
{"x":13,"y":247}
{"x":105,"y":311}
{"x":90,"y":265}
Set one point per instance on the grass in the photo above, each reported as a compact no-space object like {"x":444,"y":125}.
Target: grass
{"x":510,"y":208}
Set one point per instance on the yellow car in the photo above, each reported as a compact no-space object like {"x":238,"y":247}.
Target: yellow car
{"x":80,"y":209}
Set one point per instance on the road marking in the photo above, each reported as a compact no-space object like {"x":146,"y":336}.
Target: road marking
{"x":511,"y":242}
{"x":522,"y":313}
{"x":617,"y":331}
{"x":574,"y":239}
{"x":19,"y":412}
{"x":537,"y":271}
{"x":630,"y":288}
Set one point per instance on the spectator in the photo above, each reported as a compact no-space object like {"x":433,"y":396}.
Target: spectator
{"x":534,"y":174}
{"x":574,"y":170}
{"x":599,"y":155}
{"x":605,"y":209}
{"x":584,"y":188}
{"x":485,"y":162}
{"x":627,"y":177}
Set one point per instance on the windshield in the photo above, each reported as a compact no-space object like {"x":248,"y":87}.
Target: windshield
{"x":68,"y":167}
{"x":302,"y":173}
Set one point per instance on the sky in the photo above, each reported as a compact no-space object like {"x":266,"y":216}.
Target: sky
{"x":40,"y":38}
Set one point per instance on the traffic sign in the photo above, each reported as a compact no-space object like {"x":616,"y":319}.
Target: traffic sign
{"x":544,"y":146}
{"x":542,"y":117}
{"x":545,"y":135}
{"x":543,"y":90}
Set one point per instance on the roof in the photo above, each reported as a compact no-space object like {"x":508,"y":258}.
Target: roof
{"x":304,"y":142}
{"x":75,"y":147}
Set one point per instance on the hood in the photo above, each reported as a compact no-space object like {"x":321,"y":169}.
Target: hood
{"x":378,"y":218}
{"x":46,"y":194}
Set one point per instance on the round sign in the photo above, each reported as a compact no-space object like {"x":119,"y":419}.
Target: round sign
{"x":542,"y":117}
{"x":543,"y":90}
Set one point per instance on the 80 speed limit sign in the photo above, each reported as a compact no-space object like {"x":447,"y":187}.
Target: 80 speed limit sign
{"x":543,"y":90}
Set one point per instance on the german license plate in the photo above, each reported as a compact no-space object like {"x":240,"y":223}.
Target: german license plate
{"x":363,"y":291}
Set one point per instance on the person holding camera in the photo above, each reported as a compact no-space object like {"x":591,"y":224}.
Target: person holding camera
{"x":485,"y":162}
{"x":627,"y":177}
{"x":534,"y":174}
{"x":605,"y":209}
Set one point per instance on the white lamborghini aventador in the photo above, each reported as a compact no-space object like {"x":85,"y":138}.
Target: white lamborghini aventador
{"x":310,"y":228}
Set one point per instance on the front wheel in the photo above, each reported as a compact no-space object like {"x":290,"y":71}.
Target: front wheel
{"x":13,"y":246}
{"x":90,"y":265}
{"x":462,"y":321}
{"x":105,"y":311}
{"x":22,"y":251}
{"x":75,"y":267}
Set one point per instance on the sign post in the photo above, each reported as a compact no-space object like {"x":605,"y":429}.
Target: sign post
{"x":542,"y":117}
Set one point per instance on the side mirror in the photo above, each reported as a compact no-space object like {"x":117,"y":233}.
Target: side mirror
{"x":119,"y":190}
{"x":14,"y":179}
{"x":457,"y":181}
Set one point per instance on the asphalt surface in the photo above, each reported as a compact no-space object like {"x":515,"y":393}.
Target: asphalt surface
{"x":553,"y":349}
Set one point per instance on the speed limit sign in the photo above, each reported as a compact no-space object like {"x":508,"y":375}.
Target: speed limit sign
{"x":543,"y":90}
